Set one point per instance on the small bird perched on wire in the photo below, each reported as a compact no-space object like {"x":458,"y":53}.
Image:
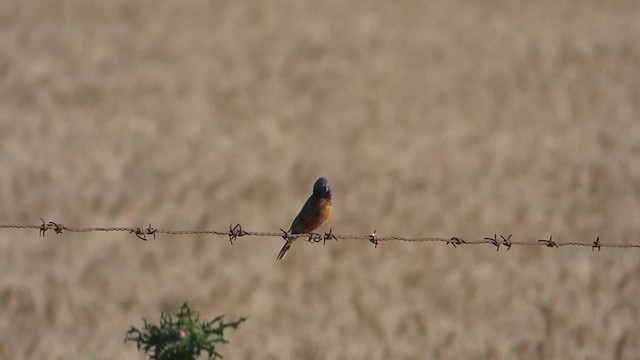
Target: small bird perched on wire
{"x":314,"y":213}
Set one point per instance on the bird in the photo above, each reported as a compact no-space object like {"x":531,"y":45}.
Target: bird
{"x":314,"y":213}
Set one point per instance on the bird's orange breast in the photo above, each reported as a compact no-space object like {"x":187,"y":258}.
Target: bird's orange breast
{"x":312,"y":217}
{"x":324,"y":211}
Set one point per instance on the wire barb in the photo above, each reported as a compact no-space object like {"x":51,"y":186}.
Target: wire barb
{"x":549,"y":243}
{"x":506,"y":242}
{"x":140,"y":234}
{"x":151,"y":231}
{"x":56,"y":227}
{"x":43,"y":228}
{"x":494,"y":241}
{"x":285,"y":234}
{"x":235,"y":232}
{"x":455,"y":241}
{"x":596,"y":244}
{"x":328,"y":236}
{"x":373,"y":239}
{"x":315,"y":237}
{"x":50,"y":225}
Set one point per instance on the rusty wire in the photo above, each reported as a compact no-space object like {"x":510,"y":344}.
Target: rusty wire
{"x":234,"y":232}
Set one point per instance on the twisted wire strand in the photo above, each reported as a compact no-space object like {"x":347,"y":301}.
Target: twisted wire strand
{"x":237,"y":231}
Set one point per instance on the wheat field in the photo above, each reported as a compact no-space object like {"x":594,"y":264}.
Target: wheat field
{"x":429,"y":118}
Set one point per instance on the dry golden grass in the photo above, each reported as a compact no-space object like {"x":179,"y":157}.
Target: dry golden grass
{"x":429,"y":118}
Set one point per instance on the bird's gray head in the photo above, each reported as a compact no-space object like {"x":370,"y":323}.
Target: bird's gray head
{"x":321,"y":187}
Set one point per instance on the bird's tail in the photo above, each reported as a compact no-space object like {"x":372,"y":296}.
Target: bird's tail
{"x":283,"y":251}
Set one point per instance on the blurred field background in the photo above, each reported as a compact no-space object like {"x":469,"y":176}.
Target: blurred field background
{"x":443,"y":118}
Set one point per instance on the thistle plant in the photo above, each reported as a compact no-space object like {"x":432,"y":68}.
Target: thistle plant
{"x":182,"y":337}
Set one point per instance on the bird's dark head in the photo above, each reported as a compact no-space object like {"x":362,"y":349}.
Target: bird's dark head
{"x":321,"y":187}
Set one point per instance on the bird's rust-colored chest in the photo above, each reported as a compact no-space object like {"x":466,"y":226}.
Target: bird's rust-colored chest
{"x":315,"y":213}
{"x":324,"y":210}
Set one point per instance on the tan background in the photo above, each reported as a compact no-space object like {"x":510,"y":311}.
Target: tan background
{"x":434,"y":118}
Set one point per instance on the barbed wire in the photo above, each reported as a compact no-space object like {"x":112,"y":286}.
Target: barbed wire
{"x":237,"y":231}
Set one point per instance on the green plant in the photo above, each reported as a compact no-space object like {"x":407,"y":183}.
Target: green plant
{"x":182,"y":338}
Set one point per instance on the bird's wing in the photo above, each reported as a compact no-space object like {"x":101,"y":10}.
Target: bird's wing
{"x":309,"y":209}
